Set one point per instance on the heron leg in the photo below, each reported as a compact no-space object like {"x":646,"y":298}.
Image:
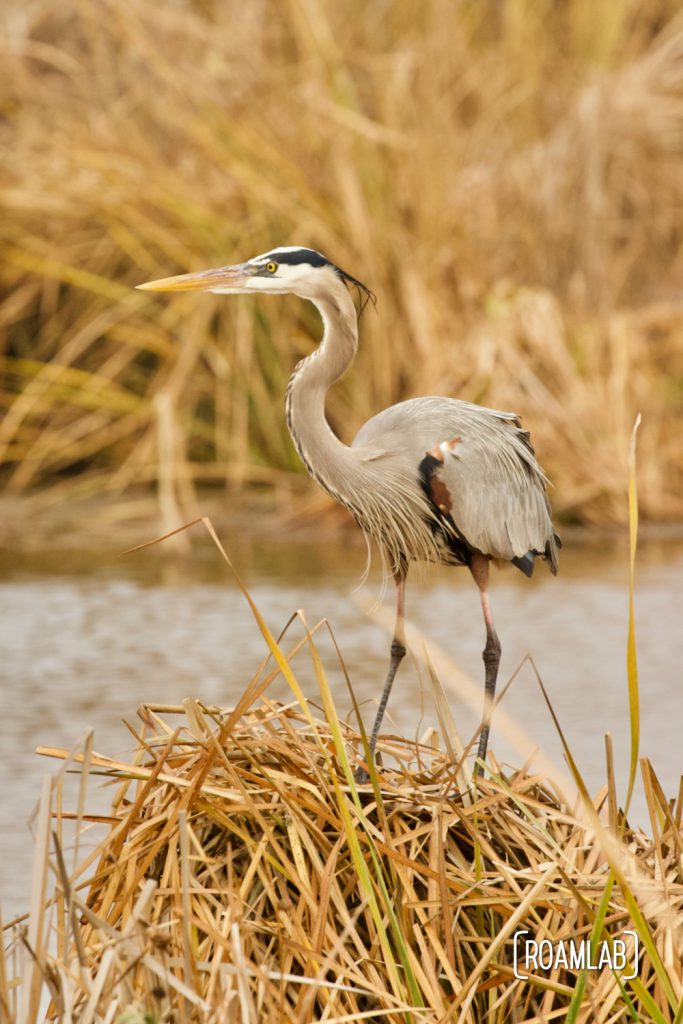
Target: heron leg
{"x":479,"y":567}
{"x":398,"y":653}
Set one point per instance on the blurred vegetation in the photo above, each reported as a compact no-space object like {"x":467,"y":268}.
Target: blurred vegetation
{"x":507,"y":176}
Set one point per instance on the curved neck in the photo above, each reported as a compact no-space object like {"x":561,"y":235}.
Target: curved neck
{"x":384,"y":500}
{"x":323,"y":454}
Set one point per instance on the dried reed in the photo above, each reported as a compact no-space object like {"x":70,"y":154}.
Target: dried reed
{"x":242,"y":876}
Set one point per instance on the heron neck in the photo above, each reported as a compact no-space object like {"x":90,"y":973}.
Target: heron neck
{"x":326,"y":458}
{"x":387,"y":507}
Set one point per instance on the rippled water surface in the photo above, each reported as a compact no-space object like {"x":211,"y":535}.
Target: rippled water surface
{"x":84,"y":638}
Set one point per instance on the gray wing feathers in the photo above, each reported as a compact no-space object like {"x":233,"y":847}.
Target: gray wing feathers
{"x":495,"y":486}
{"x":498,"y":498}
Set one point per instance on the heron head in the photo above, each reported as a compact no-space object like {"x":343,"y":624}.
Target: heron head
{"x":288,"y":269}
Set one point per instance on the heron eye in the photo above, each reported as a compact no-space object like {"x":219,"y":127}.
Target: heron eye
{"x":271,"y":267}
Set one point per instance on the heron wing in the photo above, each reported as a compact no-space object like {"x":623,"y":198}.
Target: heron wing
{"x":490,"y":497}
{"x":478,"y":469}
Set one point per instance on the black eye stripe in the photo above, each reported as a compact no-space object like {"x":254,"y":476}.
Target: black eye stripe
{"x":310,"y":256}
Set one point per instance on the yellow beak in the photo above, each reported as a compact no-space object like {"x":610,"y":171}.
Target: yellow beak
{"x":222,"y":279}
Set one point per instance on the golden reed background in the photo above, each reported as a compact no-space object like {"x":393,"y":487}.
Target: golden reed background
{"x":507,"y":176}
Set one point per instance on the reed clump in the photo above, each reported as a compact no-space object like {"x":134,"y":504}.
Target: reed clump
{"x":241,"y":875}
{"x":507,"y":177}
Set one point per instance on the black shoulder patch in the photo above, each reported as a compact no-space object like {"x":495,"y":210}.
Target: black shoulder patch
{"x":439,"y":498}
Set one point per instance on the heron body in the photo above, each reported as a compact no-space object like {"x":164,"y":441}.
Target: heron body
{"x":484,"y":489}
{"x":429,"y":479}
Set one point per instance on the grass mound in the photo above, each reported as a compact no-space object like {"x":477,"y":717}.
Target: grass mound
{"x":243,"y":876}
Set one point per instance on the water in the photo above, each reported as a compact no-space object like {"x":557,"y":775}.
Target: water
{"x":85,"y":638}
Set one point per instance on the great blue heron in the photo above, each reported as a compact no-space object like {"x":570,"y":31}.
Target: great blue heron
{"x":434,"y":479}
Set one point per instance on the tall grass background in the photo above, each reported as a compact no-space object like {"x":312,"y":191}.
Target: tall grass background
{"x":508,"y":178}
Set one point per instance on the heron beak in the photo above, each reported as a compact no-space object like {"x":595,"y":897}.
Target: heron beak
{"x":222,"y":279}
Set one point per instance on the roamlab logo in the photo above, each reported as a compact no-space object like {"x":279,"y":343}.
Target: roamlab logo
{"x":533,"y":956}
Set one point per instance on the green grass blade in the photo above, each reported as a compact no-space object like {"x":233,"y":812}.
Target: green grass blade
{"x":631,"y":652}
{"x":596,"y":932}
{"x":399,"y":946}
